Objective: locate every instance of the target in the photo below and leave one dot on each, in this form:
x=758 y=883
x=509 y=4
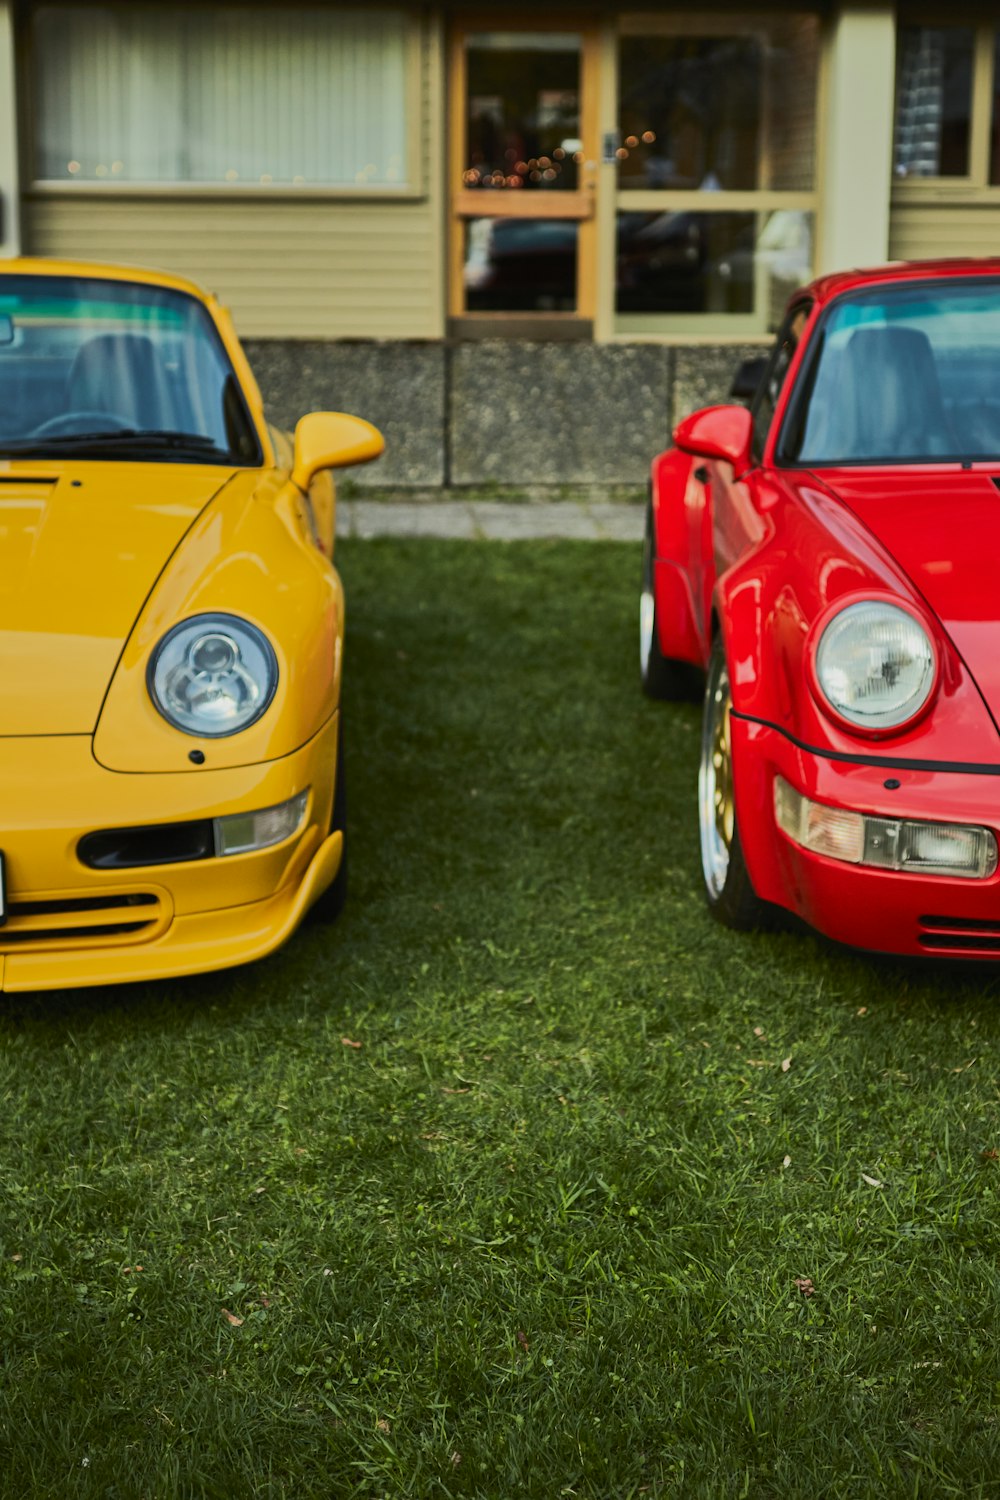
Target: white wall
x=856 y=161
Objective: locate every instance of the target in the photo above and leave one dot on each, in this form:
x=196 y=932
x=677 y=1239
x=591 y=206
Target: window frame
x=973 y=186
x=808 y=370
x=804 y=305
x=415 y=188
x=707 y=326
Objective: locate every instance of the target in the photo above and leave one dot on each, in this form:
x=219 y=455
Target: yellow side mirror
x=332 y=440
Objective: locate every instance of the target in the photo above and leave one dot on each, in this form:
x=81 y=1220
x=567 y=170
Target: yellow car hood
x=81 y=546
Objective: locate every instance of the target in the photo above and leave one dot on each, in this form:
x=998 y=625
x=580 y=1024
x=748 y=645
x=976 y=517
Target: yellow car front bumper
x=68 y=924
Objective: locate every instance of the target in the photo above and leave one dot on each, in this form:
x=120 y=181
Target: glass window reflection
x=712 y=262
x=995 y=121
x=523 y=111
x=933 y=101
x=520 y=265
x=690 y=112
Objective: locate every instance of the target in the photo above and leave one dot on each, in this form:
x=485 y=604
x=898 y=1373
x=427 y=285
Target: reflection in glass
x=520 y=265
x=905 y=373
x=690 y=112
x=715 y=112
x=86 y=356
x=523 y=111
x=712 y=262
x=933 y=101
x=995 y=122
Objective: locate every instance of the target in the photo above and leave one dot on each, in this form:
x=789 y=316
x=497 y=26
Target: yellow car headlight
x=213 y=675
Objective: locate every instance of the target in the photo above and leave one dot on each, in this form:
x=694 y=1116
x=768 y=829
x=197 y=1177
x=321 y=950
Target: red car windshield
x=904 y=374
x=116 y=369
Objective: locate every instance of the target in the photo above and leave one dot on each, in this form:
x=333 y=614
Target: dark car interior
x=886 y=394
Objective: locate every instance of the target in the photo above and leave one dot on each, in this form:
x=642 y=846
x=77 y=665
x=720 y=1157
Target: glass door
x=523 y=174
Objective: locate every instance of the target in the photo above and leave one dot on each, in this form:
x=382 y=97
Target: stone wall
x=503 y=413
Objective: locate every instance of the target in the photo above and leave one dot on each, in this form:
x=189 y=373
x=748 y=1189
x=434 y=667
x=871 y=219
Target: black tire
x=729 y=892
x=661 y=677
x=329 y=906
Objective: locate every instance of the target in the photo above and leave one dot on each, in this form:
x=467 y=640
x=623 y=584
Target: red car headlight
x=875 y=666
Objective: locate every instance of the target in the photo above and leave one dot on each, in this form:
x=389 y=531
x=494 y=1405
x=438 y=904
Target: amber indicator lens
x=900 y=844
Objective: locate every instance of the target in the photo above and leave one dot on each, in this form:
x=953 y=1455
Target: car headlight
x=213 y=675
x=875 y=665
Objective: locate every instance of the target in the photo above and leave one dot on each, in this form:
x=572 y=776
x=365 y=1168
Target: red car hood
x=943 y=529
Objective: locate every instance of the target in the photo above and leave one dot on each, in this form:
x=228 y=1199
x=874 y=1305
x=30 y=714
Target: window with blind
x=238 y=96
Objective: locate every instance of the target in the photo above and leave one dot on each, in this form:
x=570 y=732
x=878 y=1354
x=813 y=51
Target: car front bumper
x=884 y=911
x=68 y=924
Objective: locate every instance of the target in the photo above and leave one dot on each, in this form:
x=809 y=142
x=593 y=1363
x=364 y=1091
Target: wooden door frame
x=580 y=205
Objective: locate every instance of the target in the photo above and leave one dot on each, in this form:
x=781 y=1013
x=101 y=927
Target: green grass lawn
x=502 y=1186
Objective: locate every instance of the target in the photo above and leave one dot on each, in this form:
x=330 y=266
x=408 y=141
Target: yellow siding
x=288 y=268
x=922 y=232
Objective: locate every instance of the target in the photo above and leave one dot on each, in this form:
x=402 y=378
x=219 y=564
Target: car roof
x=826 y=287
x=36 y=266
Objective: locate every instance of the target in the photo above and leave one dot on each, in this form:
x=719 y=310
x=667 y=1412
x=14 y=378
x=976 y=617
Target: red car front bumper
x=882 y=910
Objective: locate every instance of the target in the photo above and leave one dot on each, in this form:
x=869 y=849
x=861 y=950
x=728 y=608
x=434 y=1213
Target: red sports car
x=830 y=557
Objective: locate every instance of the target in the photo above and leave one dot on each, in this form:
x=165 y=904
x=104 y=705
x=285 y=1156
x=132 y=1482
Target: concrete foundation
x=499 y=413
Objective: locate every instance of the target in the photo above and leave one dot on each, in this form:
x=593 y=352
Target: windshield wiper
x=126 y=440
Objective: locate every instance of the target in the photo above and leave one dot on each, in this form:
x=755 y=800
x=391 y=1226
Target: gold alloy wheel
x=716 y=807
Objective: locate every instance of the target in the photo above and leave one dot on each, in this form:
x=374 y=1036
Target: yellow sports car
x=171 y=637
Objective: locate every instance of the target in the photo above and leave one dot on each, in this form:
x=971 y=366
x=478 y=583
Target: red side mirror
x=718 y=432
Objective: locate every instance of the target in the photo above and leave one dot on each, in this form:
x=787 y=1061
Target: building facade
x=526 y=242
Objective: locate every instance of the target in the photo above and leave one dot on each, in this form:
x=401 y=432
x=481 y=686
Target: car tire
x=729 y=891
x=661 y=676
x=329 y=906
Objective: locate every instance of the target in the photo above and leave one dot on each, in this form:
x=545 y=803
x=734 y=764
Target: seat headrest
x=121 y=374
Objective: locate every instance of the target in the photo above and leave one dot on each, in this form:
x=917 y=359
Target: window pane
x=933 y=101
x=768 y=392
x=717 y=112
x=790 y=104
x=690 y=112
x=995 y=132
x=131 y=93
x=523 y=111
x=712 y=262
x=520 y=265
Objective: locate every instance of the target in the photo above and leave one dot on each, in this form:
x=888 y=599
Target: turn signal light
x=956 y=849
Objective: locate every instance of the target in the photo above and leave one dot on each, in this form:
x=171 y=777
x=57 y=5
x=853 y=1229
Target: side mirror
x=717 y=432
x=749 y=374
x=332 y=440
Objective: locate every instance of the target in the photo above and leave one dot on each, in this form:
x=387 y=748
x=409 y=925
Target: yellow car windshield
x=117 y=370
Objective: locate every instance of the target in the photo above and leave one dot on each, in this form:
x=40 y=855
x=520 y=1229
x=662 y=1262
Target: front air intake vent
x=83 y=921
x=971 y=936
x=159 y=844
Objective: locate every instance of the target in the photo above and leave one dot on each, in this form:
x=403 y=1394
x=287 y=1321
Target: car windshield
x=116 y=369
x=904 y=374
